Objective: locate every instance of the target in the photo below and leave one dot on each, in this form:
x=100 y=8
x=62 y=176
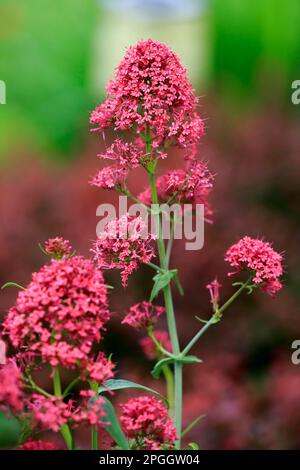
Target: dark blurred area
x=242 y=58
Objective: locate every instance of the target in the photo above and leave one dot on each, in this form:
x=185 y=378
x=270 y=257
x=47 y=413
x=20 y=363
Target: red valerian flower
x=125 y=154
x=151 y=93
x=261 y=259
x=145 y=420
x=190 y=186
x=149 y=347
x=143 y=315
x=11 y=393
x=214 y=288
x=110 y=177
x=58 y=247
x=37 y=445
x=49 y=413
x=101 y=369
x=61 y=314
x=91 y=411
x=124 y=244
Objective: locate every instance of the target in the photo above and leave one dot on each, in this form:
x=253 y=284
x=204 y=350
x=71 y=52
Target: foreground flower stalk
x=177 y=399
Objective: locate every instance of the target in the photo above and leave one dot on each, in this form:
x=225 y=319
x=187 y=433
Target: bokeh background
x=242 y=56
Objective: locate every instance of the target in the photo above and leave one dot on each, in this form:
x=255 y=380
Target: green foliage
x=10 y=430
x=255 y=43
x=121 y=384
x=114 y=428
x=45 y=62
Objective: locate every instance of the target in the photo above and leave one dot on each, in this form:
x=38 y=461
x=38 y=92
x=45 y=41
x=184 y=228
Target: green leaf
x=193 y=445
x=192 y=425
x=161 y=280
x=159 y=365
x=10 y=431
x=190 y=359
x=113 y=428
x=120 y=384
x=156 y=371
x=12 y=284
x=178 y=285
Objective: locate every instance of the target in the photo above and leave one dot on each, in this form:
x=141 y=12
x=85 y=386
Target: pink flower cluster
x=151 y=92
x=37 y=445
x=11 y=394
x=91 y=412
x=192 y=186
x=143 y=315
x=150 y=348
x=58 y=247
x=125 y=156
x=145 y=420
x=49 y=413
x=61 y=314
x=260 y=258
x=124 y=244
x=100 y=370
x=52 y=413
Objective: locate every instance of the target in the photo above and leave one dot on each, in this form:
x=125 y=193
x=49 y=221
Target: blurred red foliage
x=247 y=386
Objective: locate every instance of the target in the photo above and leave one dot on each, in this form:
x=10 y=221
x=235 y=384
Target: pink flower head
x=145 y=420
x=37 y=445
x=49 y=413
x=101 y=369
x=58 y=247
x=11 y=394
x=214 y=288
x=110 y=177
x=124 y=244
x=61 y=314
x=150 y=348
x=143 y=315
x=260 y=258
x=151 y=91
x=192 y=186
x=124 y=154
x=92 y=411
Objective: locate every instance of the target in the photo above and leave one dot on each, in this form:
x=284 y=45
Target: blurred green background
x=242 y=57
x=55 y=58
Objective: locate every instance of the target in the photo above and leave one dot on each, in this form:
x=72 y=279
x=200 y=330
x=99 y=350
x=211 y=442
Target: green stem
x=170 y=387
x=70 y=386
x=94 y=431
x=31 y=384
x=170 y=242
x=169 y=307
x=215 y=318
x=65 y=430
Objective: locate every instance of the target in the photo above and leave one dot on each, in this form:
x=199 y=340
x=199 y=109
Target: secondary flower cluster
x=58 y=247
x=37 y=445
x=192 y=186
x=11 y=395
x=143 y=315
x=53 y=412
x=146 y=422
x=125 y=156
x=61 y=314
x=124 y=244
x=261 y=259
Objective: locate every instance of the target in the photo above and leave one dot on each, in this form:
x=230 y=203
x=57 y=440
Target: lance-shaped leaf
x=119 y=384
x=161 y=280
x=156 y=371
x=112 y=425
